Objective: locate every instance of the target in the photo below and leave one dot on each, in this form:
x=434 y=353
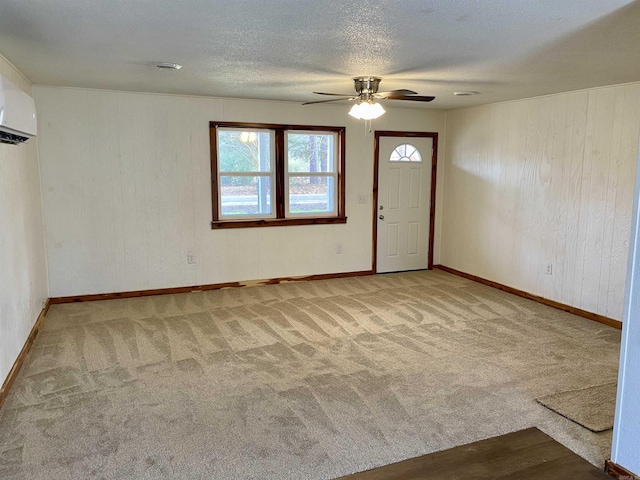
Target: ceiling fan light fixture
x=366 y=110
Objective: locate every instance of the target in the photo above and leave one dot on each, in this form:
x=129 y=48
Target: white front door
x=404 y=196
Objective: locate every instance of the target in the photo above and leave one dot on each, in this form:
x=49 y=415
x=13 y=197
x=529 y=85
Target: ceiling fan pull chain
x=367 y=126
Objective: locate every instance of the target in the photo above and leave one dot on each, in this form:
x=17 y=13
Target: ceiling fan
x=367 y=93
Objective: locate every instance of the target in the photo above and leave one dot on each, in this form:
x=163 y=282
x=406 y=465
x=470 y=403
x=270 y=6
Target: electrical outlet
x=191 y=258
x=362 y=199
x=339 y=249
x=548 y=269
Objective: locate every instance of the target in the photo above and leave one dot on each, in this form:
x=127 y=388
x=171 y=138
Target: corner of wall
x=626 y=429
x=440 y=186
x=23 y=257
x=16 y=76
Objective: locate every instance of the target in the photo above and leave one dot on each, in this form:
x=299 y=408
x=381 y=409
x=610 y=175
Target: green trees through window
x=311 y=172
x=245 y=173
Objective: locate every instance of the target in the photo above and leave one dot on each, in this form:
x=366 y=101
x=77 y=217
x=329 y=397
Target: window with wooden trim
x=269 y=175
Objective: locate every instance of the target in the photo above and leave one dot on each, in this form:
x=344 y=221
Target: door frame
x=432 y=205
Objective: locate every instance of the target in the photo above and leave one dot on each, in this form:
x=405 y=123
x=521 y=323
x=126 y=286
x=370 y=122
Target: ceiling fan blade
x=334 y=94
x=332 y=100
x=402 y=91
x=415 y=98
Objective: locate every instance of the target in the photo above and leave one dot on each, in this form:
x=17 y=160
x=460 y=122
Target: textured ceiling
x=286 y=49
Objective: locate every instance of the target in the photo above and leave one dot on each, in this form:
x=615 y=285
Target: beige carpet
x=309 y=380
x=592 y=407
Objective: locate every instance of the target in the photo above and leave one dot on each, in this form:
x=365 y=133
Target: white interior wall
x=626 y=430
x=545 y=180
x=126 y=186
x=23 y=274
x=127 y=193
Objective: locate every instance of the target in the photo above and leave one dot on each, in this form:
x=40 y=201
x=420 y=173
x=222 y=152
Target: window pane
x=311 y=195
x=244 y=151
x=405 y=153
x=245 y=195
x=311 y=152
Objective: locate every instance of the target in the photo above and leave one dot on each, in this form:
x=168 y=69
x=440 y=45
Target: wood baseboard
x=13 y=373
x=545 y=301
x=202 y=288
x=616 y=471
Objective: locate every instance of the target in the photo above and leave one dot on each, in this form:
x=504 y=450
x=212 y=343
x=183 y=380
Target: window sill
x=276 y=222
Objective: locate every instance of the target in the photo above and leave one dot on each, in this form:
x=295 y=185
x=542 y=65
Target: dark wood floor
x=525 y=455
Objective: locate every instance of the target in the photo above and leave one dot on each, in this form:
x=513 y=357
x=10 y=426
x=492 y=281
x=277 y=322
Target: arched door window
x=405 y=153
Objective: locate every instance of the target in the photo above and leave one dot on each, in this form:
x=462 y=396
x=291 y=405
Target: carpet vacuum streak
x=309 y=380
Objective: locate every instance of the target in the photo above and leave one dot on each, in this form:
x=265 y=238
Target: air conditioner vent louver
x=12 y=139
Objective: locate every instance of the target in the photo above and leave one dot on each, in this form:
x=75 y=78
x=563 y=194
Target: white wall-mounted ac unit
x=17 y=114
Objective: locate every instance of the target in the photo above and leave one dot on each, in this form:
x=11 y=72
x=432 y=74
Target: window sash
x=267 y=199
x=332 y=195
x=270 y=173
x=334 y=149
x=332 y=172
x=248 y=131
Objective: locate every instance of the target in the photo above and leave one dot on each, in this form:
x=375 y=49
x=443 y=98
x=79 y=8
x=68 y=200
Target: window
x=311 y=173
x=405 y=153
x=269 y=175
x=246 y=173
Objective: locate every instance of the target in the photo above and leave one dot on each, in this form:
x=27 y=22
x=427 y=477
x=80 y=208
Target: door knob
x=381 y=207
x=381 y=217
